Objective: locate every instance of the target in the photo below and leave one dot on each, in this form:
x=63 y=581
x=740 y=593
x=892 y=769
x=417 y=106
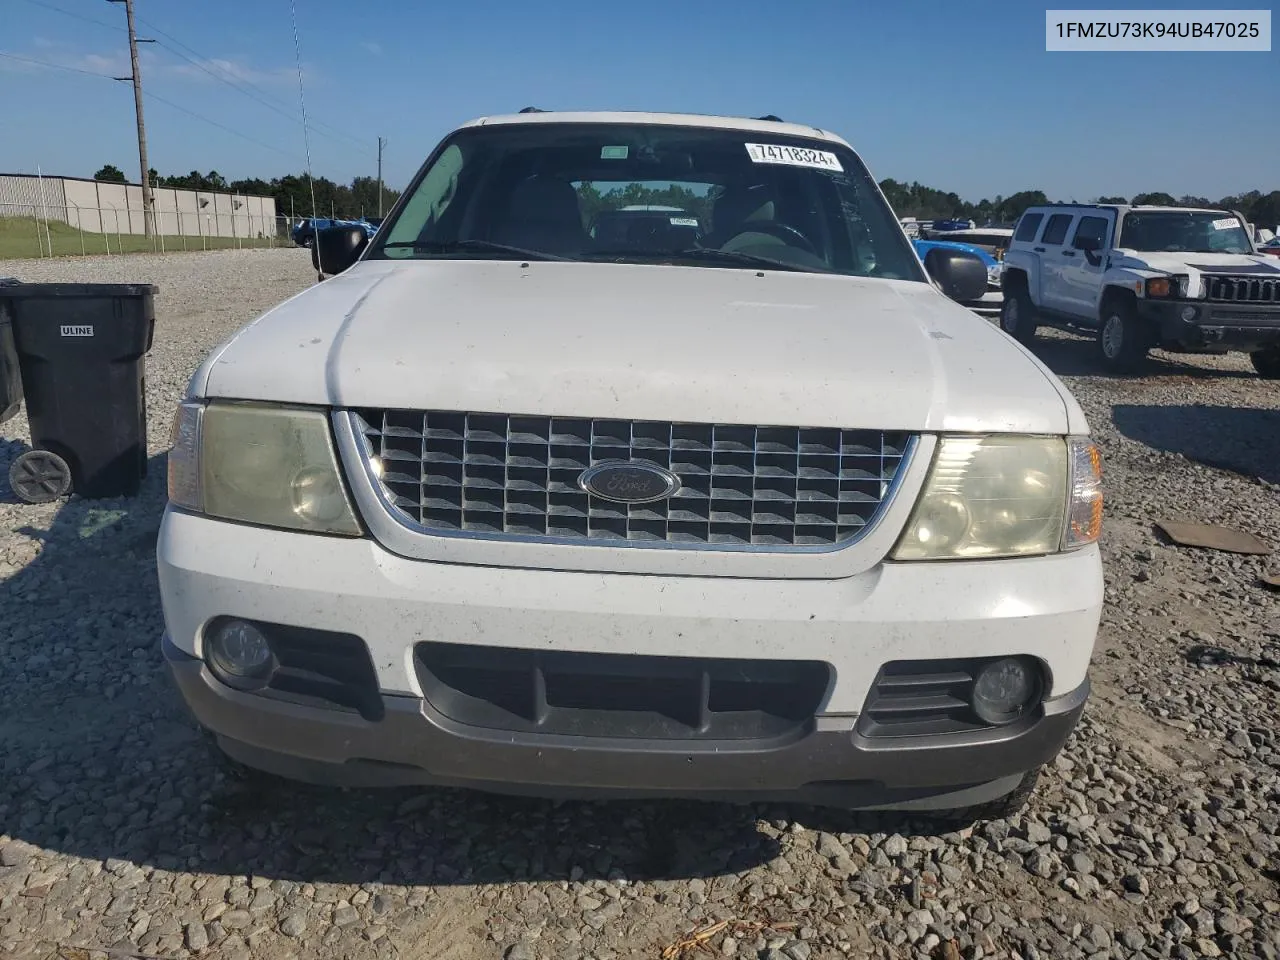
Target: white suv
x=1186 y=280
x=757 y=514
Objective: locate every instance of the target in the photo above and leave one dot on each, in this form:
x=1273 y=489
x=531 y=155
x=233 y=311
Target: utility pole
x=148 y=205
x=381 y=143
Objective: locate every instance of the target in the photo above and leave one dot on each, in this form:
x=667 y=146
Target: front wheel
x=1018 y=316
x=1123 y=339
x=1267 y=362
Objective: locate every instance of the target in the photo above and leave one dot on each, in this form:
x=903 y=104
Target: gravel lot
x=1155 y=834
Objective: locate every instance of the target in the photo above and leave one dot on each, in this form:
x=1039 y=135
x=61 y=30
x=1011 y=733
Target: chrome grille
x=516 y=477
x=1229 y=289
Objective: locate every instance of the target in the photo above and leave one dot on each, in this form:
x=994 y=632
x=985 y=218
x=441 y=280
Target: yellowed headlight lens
x=990 y=496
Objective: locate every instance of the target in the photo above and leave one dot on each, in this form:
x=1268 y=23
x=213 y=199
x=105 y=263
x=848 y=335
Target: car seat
x=542 y=214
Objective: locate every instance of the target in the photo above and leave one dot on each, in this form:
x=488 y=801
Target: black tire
x=1018 y=315
x=40 y=476
x=1267 y=363
x=1000 y=809
x=1124 y=339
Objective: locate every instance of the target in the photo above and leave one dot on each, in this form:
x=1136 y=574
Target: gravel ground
x=1154 y=834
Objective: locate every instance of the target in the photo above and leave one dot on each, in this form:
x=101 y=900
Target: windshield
x=649 y=193
x=1176 y=231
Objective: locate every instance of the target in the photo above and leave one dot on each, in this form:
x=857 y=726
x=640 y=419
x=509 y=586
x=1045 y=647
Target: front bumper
x=1231 y=326
x=413 y=744
x=1047 y=608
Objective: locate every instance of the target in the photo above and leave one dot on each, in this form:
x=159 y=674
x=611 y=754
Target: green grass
x=19 y=240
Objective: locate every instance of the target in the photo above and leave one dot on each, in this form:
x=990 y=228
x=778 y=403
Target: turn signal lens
x=1159 y=287
x=1084 y=509
x=184 y=456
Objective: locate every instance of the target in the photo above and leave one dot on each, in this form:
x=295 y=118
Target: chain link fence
x=29 y=230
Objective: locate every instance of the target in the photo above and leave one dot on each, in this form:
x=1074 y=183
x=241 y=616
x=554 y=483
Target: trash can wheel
x=40 y=476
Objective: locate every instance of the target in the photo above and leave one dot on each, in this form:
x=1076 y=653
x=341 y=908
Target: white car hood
x=1198 y=262
x=641 y=342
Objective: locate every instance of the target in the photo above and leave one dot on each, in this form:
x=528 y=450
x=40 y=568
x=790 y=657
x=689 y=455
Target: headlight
x=993 y=273
x=1162 y=288
x=1005 y=496
x=257 y=463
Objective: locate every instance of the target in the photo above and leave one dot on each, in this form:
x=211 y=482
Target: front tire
x=1267 y=362
x=1123 y=339
x=1018 y=316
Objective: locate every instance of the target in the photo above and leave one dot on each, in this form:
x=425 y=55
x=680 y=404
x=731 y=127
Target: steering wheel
x=783 y=231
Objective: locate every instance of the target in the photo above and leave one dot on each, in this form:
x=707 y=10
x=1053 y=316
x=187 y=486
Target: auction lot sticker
x=793 y=156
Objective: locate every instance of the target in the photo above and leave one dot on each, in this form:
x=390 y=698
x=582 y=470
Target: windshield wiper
x=693 y=253
x=479 y=246
x=745 y=259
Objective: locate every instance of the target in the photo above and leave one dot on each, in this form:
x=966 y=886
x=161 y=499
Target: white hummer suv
x=757 y=513
x=1185 y=280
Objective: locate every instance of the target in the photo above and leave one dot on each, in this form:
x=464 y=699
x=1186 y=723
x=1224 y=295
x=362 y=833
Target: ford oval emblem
x=627 y=481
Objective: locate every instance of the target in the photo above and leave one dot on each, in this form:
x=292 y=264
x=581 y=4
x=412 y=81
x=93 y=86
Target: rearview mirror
x=337 y=248
x=961 y=275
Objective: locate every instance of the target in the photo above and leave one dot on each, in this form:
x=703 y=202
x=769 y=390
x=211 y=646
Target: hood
x=1198 y=262
x=641 y=342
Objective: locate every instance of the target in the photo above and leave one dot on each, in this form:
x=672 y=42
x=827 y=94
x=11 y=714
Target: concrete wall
x=117 y=208
x=82 y=205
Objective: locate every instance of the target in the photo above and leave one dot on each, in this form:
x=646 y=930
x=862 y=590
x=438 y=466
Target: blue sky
x=961 y=97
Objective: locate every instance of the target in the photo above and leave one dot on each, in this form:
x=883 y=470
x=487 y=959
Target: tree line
x=292 y=193
x=926 y=203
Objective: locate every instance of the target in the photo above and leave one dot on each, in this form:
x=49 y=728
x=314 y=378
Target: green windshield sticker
x=614 y=153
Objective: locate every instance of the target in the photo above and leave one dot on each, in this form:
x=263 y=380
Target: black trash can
x=10 y=378
x=82 y=356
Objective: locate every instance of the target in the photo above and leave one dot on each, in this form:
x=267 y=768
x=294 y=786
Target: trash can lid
x=18 y=289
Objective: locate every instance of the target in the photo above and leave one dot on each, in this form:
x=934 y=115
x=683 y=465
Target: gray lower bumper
x=831 y=764
x=1238 y=326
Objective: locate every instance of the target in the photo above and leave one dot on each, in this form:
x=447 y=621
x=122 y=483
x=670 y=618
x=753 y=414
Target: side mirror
x=1090 y=247
x=337 y=248
x=962 y=275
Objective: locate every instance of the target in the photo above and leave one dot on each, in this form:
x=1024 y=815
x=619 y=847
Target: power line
x=54 y=66
x=202 y=62
x=150 y=96
x=69 y=13
x=235 y=85
x=239 y=83
x=191 y=113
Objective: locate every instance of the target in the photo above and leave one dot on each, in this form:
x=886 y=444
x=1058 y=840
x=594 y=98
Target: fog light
x=1005 y=690
x=1188 y=314
x=239 y=655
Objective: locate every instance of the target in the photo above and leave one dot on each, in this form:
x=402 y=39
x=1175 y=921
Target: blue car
x=990 y=303
x=304 y=232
